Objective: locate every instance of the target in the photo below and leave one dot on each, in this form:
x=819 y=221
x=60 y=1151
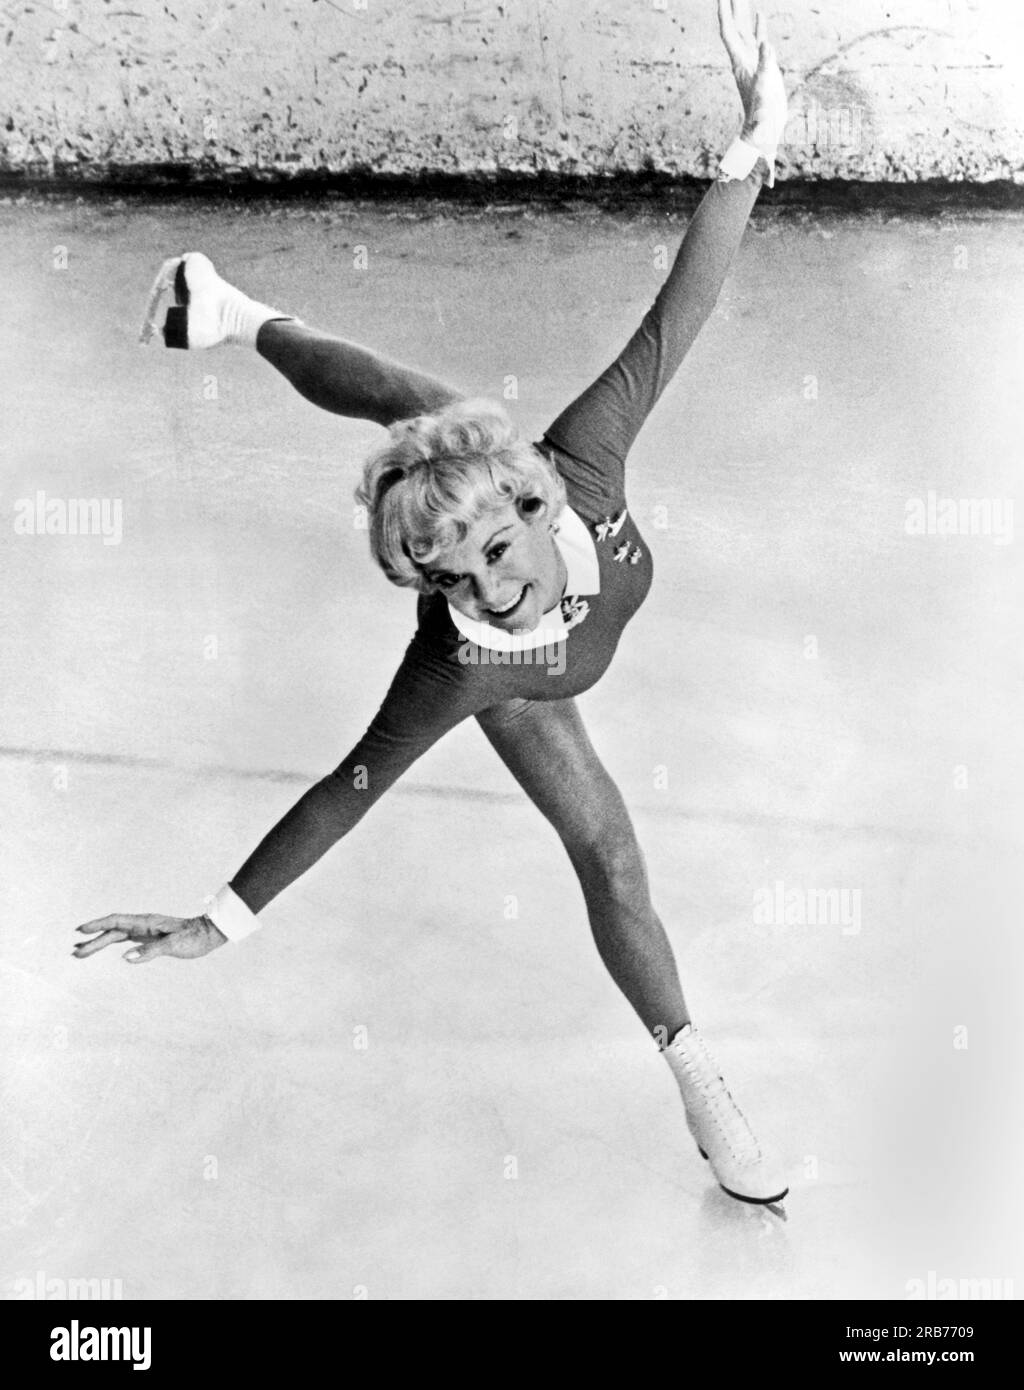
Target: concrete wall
x=880 y=91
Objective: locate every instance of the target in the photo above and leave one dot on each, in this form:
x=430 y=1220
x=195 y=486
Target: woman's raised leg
x=547 y=749
x=336 y=375
x=347 y=379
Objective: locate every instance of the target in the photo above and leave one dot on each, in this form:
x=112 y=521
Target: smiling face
x=507 y=571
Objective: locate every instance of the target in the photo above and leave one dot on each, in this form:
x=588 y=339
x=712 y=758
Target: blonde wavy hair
x=437 y=474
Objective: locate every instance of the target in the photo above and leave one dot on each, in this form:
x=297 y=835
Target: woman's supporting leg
x=547 y=749
x=346 y=379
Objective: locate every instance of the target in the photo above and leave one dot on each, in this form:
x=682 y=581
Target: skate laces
x=717 y=1103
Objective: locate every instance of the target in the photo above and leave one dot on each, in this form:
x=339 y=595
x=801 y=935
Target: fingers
x=751 y=26
x=137 y=954
x=149 y=951
x=743 y=31
x=155 y=934
x=743 y=20
x=100 y=923
x=151 y=928
x=140 y=926
x=105 y=938
x=729 y=29
x=724 y=21
x=765 y=48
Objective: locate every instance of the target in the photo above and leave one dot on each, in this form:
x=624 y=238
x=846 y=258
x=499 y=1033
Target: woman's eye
x=498 y=551
x=446 y=581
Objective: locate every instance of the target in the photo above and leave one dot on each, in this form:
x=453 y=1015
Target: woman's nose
x=487 y=588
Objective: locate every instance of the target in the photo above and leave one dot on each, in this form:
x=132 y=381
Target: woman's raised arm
x=599 y=427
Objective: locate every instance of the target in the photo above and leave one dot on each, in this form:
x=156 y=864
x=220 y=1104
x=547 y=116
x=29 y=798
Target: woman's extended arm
x=599 y=427
x=424 y=701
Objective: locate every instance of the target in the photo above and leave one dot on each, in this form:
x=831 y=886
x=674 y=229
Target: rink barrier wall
x=324 y=91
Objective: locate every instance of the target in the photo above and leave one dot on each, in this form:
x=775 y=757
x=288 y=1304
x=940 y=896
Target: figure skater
x=528 y=566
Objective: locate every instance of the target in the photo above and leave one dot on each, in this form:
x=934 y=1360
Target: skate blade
x=163 y=283
x=771 y=1203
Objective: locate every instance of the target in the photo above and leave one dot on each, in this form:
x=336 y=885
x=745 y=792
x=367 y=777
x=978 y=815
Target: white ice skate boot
x=740 y=1163
x=207 y=310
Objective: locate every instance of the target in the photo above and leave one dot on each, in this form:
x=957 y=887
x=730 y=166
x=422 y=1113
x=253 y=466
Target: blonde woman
x=528 y=565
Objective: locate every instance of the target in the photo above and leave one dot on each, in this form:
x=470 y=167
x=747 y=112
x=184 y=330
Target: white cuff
x=229 y=914
x=739 y=159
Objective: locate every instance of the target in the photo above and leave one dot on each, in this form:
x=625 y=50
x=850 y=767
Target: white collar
x=584 y=577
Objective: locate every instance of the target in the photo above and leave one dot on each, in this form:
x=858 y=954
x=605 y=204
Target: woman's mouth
x=510 y=608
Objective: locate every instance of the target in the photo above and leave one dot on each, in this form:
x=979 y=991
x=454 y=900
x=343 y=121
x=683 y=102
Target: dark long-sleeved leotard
x=446 y=676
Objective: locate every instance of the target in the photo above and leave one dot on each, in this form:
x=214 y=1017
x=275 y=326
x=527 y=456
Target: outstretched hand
x=185 y=937
x=756 y=70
